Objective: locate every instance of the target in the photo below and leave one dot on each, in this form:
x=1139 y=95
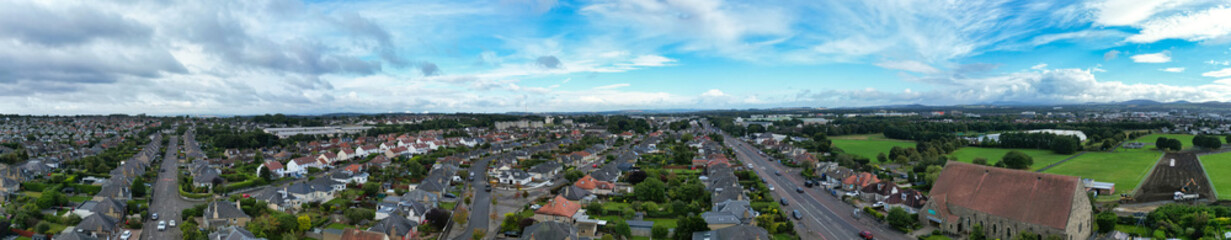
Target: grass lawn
x=785 y=236
x=1218 y=168
x=669 y=222
x=1130 y=229
x=33 y=194
x=937 y=237
x=870 y=148
x=1186 y=139
x=1042 y=158
x=338 y=226
x=874 y=136
x=448 y=205
x=1125 y=168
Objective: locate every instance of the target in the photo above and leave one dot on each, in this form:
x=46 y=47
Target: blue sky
x=264 y=56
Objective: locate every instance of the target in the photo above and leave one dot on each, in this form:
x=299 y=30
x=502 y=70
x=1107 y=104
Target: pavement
x=824 y=216
x=166 y=199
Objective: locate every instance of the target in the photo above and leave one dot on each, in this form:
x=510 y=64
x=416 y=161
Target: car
x=127 y=234
x=488 y=188
x=851 y=194
x=808 y=183
x=783 y=202
x=595 y=165
x=162 y=225
x=749 y=165
x=154 y=216
x=797 y=215
x=799 y=190
x=763 y=180
x=172 y=223
x=771 y=187
x=778 y=173
x=878 y=204
x=865 y=235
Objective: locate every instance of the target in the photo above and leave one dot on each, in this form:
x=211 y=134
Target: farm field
x=1218 y=167
x=1124 y=168
x=870 y=148
x=1042 y=158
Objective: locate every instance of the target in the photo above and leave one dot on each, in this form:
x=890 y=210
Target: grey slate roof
x=233 y=233
x=395 y=225
x=98 y=222
x=545 y=167
x=550 y=230
x=719 y=218
x=740 y=232
x=109 y=204
x=574 y=193
x=221 y=209
x=74 y=236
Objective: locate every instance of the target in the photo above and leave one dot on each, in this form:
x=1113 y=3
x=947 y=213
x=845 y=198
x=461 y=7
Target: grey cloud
x=429 y=69
x=548 y=62
x=31 y=23
x=1111 y=55
x=83 y=64
x=360 y=26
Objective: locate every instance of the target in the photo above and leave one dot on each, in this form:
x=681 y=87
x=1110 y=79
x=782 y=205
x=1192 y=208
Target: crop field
x=1125 y=168
x=1218 y=167
x=868 y=147
x=1042 y=158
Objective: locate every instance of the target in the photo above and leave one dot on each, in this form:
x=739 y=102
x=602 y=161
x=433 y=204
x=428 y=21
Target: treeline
x=1060 y=144
x=1171 y=144
x=290 y=121
x=619 y=124
x=456 y=122
x=222 y=136
x=1208 y=141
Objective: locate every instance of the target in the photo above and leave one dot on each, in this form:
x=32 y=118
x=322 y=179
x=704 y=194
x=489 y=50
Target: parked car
x=865 y=235
x=162 y=225
x=127 y=234
x=771 y=187
x=878 y=204
x=783 y=202
x=797 y=215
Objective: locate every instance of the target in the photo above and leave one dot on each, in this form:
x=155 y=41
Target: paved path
x=1061 y=161
x=824 y=216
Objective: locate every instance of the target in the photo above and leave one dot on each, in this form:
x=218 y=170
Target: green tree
x=688 y=225
x=371 y=188
x=1106 y=221
x=900 y=219
x=305 y=222
x=659 y=231
x=980 y=161
x=650 y=190
x=356 y=215
x=976 y=233
x=933 y=173
x=1026 y=235
x=1017 y=160
x=622 y=229
x=478 y=234
x=880 y=157
x=138 y=188
x=573 y=175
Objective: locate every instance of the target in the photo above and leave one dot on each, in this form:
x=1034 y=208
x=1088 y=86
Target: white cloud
x=612 y=86
x=1216 y=63
x=1173 y=69
x=1214 y=23
x=1111 y=55
x=1225 y=72
x=908 y=65
x=651 y=61
x=713 y=93
x=1161 y=57
x=1129 y=12
x=1040 y=66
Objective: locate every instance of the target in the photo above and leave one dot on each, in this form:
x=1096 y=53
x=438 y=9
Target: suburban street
x=165 y=199
x=481 y=203
x=824 y=216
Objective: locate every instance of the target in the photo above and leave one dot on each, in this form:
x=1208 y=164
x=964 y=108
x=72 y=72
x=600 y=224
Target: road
x=480 y=210
x=166 y=200
x=824 y=216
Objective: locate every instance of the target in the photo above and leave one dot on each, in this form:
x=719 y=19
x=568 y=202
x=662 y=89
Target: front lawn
x=339 y=226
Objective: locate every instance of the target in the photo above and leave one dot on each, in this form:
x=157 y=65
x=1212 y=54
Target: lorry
x=1181 y=196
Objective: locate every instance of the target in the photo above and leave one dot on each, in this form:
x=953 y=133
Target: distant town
x=906 y=172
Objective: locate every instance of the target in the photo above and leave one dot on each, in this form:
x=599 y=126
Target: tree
x=1065 y=145
x=659 y=231
x=286 y=223
x=594 y=209
x=371 y=188
x=1017 y=160
x=1207 y=141
x=1026 y=235
x=355 y=215
x=138 y=188
x=636 y=177
x=688 y=225
x=980 y=161
x=622 y=229
x=882 y=158
x=1106 y=221
x=461 y=216
x=1175 y=144
x=900 y=219
x=650 y=190
x=478 y=234
x=415 y=169
x=933 y=173
x=305 y=222
x=976 y=233
x=437 y=218
x=573 y=175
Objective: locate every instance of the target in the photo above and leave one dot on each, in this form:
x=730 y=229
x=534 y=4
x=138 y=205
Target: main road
x=165 y=200
x=824 y=216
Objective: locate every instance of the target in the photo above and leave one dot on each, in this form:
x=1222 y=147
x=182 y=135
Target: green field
x=1042 y=158
x=1186 y=139
x=1125 y=168
x=869 y=145
x=1218 y=168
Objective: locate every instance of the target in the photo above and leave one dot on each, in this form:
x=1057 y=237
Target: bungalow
x=558 y=209
x=545 y=170
x=741 y=232
x=877 y=192
x=595 y=186
x=221 y=214
x=858 y=181
x=550 y=231
x=418 y=196
x=274 y=167
x=233 y=233
x=99 y=225
x=379 y=161
x=907 y=199
x=111 y=207
x=515 y=177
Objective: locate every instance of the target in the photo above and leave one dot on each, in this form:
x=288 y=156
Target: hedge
x=194 y=195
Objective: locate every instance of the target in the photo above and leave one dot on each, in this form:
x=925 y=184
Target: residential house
x=99 y=225
x=858 y=181
x=558 y=209
x=233 y=233
x=347 y=154
x=110 y=207
x=396 y=227
x=907 y=199
x=397 y=151
x=741 y=232
x=274 y=167
x=550 y=230
x=545 y=170
x=356 y=234
x=595 y=186
x=514 y=177
x=221 y=213
x=327 y=158
x=299 y=166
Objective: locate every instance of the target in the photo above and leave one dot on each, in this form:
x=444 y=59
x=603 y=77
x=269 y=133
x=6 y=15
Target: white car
x=771 y=187
x=162 y=225
x=852 y=194
x=127 y=234
x=172 y=223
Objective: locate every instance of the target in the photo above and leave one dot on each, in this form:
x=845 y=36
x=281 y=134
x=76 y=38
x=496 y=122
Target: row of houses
x=103 y=214
x=731 y=216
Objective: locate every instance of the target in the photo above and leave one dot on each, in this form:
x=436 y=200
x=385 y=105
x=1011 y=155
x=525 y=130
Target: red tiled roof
x=1038 y=198
x=356 y=234
x=559 y=206
x=589 y=183
x=273 y=165
x=304 y=160
x=861 y=179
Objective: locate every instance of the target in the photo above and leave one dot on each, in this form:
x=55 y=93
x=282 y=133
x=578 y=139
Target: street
x=824 y=216
x=480 y=210
x=165 y=198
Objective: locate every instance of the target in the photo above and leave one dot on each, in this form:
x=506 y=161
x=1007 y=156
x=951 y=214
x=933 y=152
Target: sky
x=243 y=57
